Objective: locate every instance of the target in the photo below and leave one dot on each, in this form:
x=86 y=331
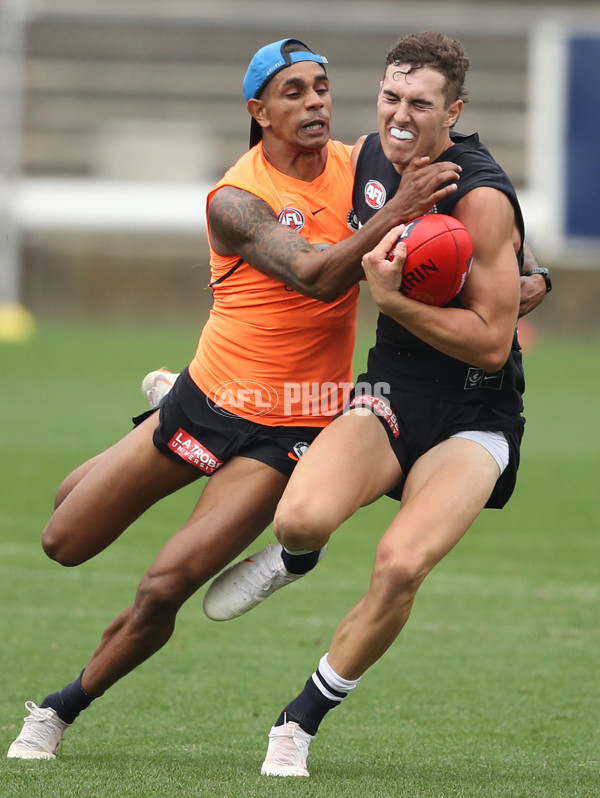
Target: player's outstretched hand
x=422 y=185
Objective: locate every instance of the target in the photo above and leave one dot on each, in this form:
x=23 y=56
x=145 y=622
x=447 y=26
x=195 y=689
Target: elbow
x=322 y=281
x=319 y=289
x=493 y=360
x=328 y=295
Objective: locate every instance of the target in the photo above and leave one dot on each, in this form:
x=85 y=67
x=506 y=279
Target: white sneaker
x=247 y=583
x=157 y=384
x=40 y=735
x=287 y=752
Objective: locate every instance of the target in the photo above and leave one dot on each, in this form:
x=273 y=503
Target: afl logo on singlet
x=375 y=194
x=291 y=217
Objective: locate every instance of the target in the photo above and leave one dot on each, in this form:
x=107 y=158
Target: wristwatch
x=545 y=274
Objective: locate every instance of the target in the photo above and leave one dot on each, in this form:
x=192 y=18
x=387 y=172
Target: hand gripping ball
x=438 y=260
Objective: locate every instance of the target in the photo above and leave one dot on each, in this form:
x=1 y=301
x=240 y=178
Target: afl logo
x=291 y=217
x=375 y=194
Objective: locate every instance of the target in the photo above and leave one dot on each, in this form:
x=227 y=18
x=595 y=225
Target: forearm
x=479 y=332
x=339 y=267
x=242 y=224
x=457 y=332
x=535 y=282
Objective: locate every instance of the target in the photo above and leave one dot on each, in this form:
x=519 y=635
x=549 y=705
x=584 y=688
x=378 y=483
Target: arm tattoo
x=248 y=226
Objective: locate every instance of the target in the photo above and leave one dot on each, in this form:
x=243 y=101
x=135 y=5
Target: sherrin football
x=439 y=256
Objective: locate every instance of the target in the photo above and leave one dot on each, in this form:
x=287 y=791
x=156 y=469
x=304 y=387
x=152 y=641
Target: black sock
x=69 y=701
x=300 y=563
x=308 y=709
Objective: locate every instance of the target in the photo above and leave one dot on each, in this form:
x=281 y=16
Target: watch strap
x=545 y=274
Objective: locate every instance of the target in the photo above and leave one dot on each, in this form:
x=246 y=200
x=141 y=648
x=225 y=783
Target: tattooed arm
x=242 y=224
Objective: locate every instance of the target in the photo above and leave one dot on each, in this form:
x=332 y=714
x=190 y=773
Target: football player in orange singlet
x=271 y=370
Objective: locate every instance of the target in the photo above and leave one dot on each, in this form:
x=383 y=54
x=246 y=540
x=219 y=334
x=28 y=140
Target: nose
x=314 y=99
x=401 y=113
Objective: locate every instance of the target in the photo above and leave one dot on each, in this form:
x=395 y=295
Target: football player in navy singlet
x=399 y=356
x=436 y=420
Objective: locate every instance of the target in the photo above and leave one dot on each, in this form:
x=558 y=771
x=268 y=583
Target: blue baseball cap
x=265 y=64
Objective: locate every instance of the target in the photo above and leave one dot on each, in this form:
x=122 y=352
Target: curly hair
x=436 y=51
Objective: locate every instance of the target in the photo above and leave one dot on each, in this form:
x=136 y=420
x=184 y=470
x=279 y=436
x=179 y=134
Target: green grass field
x=492 y=689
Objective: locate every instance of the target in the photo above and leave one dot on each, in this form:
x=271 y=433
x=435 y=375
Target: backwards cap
x=265 y=64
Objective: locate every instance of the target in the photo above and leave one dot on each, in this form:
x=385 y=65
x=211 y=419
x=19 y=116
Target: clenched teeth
x=401 y=135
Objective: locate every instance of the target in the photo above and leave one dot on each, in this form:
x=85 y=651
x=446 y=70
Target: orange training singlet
x=267 y=352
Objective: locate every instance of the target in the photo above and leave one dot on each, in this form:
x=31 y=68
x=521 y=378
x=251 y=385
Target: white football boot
x=40 y=735
x=249 y=582
x=287 y=752
x=157 y=384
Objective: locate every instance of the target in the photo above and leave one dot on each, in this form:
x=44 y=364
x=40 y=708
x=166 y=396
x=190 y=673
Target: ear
x=257 y=110
x=453 y=113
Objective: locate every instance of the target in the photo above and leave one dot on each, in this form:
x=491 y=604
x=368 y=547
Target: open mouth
x=314 y=127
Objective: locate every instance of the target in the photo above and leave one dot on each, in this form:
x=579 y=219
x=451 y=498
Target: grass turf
x=492 y=689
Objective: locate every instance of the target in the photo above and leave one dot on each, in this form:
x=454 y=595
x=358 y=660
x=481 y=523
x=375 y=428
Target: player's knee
x=300 y=526
x=397 y=575
x=158 y=598
x=57 y=546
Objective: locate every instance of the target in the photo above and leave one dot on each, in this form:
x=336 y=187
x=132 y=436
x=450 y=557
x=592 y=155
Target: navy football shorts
x=194 y=430
x=415 y=423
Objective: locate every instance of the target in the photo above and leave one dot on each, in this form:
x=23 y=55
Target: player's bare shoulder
x=236 y=215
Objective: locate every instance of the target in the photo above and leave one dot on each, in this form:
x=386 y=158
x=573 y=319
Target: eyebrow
x=419 y=100
x=318 y=78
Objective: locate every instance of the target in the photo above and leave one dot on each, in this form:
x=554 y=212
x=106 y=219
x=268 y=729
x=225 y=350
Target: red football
x=438 y=260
